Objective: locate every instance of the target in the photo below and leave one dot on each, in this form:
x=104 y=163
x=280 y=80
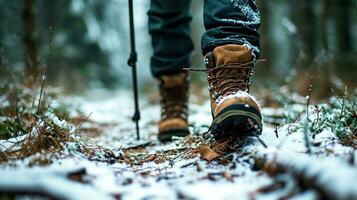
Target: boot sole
x=166 y=136
x=237 y=121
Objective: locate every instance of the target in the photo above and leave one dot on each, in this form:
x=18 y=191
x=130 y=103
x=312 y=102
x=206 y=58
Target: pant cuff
x=210 y=46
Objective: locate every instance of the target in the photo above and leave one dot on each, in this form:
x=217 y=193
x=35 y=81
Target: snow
x=222 y=189
x=253 y=16
x=308 y=195
x=176 y=176
x=11 y=144
x=60 y=123
x=238 y=94
x=48 y=179
x=326 y=170
x=3 y=102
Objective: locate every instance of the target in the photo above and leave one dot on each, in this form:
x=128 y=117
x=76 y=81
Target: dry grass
x=28 y=125
x=46 y=138
x=37 y=132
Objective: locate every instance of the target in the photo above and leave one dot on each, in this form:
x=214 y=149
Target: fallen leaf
x=149 y=158
x=207 y=153
x=228 y=176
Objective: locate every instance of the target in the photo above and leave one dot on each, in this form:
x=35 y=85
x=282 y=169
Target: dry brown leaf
x=207 y=153
x=228 y=176
x=149 y=158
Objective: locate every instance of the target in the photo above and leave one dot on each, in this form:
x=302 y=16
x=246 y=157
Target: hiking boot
x=174 y=109
x=235 y=112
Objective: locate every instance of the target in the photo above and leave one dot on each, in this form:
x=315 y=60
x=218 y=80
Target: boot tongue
x=170 y=81
x=232 y=53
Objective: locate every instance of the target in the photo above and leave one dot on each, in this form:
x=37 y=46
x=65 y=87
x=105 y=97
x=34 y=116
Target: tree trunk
x=267 y=50
x=305 y=19
x=31 y=60
x=343 y=26
x=322 y=69
x=308 y=31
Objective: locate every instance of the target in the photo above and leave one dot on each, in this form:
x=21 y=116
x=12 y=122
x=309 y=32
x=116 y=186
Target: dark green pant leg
x=169 y=27
x=230 y=22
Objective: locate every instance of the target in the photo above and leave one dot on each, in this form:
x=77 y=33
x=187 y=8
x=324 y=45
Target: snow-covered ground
x=148 y=169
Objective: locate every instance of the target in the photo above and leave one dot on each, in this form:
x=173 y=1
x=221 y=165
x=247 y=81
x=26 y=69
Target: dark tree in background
x=323 y=46
x=75 y=61
x=265 y=31
x=28 y=26
x=29 y=38
x=299 y=39
x=343 y=24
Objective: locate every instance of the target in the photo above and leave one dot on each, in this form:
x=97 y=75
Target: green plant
x=338 y=116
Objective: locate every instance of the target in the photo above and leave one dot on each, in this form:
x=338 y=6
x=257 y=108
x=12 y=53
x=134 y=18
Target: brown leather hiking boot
x=235 y=112
x=174 y=109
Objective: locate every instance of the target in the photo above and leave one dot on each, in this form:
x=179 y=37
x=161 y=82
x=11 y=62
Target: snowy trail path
x=148 y=169
x=175 y=177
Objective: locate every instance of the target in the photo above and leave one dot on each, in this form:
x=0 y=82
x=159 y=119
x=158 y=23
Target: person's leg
x=230 y=45
x=170 y=32
x=231 y=22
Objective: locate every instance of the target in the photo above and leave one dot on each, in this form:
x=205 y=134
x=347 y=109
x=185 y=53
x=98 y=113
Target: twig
x=343 y=103
x=85 y=120
x=172 y=161
x=335 y=95
x=309 y=97
x=306 y=124
x=33 y=103
x=276 y=131
x=141 y=145
x=44 y=77
x=18 y=121
x=262 y=142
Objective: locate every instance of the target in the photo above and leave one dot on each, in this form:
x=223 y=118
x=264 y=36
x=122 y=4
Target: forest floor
x=91 y=152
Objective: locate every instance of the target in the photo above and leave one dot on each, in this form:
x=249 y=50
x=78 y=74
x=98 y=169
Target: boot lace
x=228 y=78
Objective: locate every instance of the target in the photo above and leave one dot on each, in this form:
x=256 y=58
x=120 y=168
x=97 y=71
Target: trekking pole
x=132 y=63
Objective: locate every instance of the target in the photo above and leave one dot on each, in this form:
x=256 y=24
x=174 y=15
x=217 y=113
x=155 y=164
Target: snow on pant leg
x=169 y=27
x=230 y=22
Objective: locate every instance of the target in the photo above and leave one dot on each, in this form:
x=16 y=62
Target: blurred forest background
x=85 y=43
